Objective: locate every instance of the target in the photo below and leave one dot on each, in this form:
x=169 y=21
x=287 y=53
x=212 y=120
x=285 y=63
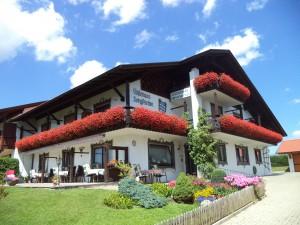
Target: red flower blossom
x=89 y=125
x=113 y=118
x=157 y=121
x=224 y=82
x=231 y=124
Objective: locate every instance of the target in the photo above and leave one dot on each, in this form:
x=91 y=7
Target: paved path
x=280 y=207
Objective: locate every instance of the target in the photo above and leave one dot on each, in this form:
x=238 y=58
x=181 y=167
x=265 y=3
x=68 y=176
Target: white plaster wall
x=291 y=163
x=137 y=154
x=233 y=167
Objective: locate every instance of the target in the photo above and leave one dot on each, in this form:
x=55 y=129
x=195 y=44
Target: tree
x=202 y=145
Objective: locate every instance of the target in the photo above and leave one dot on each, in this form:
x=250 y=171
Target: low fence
x=209 y=214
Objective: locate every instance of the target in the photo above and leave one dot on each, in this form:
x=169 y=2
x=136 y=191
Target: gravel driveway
x=280 y=207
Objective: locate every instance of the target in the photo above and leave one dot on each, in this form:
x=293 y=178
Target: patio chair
x=92 y=173
x=33 y=176
x=80 y=174
x=139 y=175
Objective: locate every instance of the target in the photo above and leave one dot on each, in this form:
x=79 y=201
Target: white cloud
x=175 y=3
x=287 y=89
x=202 y=37
x=256 y=5
x=118 y=63
x=142 y=38
x=296 y=133
x=296 y=101
x=76 y=2
x=128 y=11
x=87 y=71
x=42 y=30
x=245 y=46
x=172 y=38
x=208 y=7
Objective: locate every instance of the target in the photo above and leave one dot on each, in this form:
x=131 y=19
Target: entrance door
x=189 y=163
x=68 y=162
x=296 y=159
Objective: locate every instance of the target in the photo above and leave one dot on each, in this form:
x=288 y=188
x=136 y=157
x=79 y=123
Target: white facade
x=137 y=140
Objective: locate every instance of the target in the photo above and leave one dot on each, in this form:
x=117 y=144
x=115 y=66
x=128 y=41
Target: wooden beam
x=55 y=118
x=31 y=125
x=119 y=93
x=127 y=103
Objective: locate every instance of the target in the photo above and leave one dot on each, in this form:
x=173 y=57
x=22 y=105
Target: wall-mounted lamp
x=133 y=143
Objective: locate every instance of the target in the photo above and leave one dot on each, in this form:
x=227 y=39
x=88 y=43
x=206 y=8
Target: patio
x=102 y=185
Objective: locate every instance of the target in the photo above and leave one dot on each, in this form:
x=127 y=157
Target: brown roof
x=289 y=146
x=10 y=112
x=218 y=60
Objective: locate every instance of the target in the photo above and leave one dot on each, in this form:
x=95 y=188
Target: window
x=45 y=160
x=86 y=113
x=97 y=156
x=118 y=153
x=221 y=153
x=69 y=118
x=161 y=154
x=258 y=156
x=213 y=113
x=102 y=106
x=67 y=159
x=242 y=155
x=45 y=126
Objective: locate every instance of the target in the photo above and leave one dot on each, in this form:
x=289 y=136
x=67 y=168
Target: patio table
x=153 y=173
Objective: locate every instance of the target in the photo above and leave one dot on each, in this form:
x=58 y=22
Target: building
x=141 y=120
x=8 y=129
x=292 y=149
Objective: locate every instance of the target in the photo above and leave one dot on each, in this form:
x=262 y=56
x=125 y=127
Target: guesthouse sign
x=180 y=94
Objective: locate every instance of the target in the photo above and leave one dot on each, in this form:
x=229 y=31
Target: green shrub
x=183 y=191
x=3 y=193
x=7 y=163
x=161 y=189
x=223 y=191
x=279 y=160
x=140 y=193
x=217 y=176
x=118 y=201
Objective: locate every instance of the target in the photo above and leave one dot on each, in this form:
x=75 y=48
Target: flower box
x=222 y=82
x=233 y=125
x=111 y=119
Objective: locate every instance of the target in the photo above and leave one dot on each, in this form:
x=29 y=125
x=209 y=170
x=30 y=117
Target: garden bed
x=209 y=214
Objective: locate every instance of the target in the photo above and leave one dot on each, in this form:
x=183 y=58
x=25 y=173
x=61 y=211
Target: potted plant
x=55 y=180
x=113 y=170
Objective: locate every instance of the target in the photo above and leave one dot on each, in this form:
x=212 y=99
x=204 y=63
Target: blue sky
x=47 y=47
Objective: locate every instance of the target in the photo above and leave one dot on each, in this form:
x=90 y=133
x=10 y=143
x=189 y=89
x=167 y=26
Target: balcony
x=233 y=125
x=112 y=119
x=221 y=88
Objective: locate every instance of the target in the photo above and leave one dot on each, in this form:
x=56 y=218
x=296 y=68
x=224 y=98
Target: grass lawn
x=24 y=206
x=279 y=168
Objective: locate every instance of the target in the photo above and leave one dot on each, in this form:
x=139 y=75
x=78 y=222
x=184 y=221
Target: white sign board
x=183 y=93
x=146 y=99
